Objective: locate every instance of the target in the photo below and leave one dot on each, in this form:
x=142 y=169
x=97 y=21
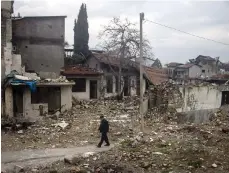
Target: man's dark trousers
x=104 y=138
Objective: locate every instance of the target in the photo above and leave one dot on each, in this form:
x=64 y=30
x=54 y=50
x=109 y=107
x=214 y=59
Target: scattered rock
x=77 y=106
x=225 y=129
x=20 y=132
x=63 y=125
x=118 y=134
x=214 y=165
x=157 y=153
x=18 y=169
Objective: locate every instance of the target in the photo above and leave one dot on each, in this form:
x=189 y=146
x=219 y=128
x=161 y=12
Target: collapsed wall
x=193 y=103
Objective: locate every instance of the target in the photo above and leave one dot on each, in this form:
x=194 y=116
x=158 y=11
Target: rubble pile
x=76 y=127
x=164 y=147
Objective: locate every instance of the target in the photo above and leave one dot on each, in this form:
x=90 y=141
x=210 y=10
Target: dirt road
x=45 y=156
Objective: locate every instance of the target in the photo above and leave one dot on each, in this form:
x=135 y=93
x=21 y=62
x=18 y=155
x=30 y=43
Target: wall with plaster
x=66 y=98
x=200 y=97
x=83 y=95
x=40 y=41
x=194 y=71
x=9 y=102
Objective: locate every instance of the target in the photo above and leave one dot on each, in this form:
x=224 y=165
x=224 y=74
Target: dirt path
x=42 y=157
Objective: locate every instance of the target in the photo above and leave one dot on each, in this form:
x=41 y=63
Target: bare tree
x=122 y=40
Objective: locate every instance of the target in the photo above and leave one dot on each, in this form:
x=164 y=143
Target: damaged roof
x=79 y=70
x=156 y=76
x=174 y=64
x=113 y=60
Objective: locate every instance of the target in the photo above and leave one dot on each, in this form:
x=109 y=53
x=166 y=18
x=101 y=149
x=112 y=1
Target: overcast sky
x=206 y=19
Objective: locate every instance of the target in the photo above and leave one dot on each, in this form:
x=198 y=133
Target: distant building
x=187 y=72
x=171 y=67
x=209 y=65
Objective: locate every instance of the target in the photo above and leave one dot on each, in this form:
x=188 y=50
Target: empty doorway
x=93 y=89
x=225 y=98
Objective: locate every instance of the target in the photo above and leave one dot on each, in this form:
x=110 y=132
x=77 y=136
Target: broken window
x=109 y=84
x=80 y=85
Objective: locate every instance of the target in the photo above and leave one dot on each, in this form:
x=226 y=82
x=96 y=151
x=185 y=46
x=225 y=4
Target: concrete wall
x=66 y=98
x=6 y=37
x=83 y=95
x=42 y=58
x=16 y=63
x=40 y=27
x=194 y=71
x=86 y=95
x=9 y=102
x=31 y=112
x=40 y=41
x=200 y=97
x=6 y=5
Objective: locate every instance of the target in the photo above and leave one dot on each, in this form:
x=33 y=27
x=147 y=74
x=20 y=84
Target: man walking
x=103 y=128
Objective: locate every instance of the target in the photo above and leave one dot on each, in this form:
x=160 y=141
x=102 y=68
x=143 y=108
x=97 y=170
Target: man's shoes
x=107 y=145
x=98 y=146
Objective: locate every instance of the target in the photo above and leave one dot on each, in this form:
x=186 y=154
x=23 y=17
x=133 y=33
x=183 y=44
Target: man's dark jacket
x=104 y=126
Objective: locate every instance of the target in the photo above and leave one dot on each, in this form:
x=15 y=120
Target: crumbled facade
x=27 y=96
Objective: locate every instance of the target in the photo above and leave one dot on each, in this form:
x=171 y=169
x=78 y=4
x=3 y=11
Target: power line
x=187 y=33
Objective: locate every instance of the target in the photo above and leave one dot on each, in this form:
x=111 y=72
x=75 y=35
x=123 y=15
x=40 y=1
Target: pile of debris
x=76 y=127
x=167 y=148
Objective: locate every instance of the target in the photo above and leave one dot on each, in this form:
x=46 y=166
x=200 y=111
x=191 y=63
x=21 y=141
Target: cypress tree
x=81 y=35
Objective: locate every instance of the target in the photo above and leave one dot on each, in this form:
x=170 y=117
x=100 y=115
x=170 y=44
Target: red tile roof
x=155 y=75
x=79 y=70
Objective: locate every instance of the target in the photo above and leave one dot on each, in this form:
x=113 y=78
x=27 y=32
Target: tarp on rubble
x=15 y=79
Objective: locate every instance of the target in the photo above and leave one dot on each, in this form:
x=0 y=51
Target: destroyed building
x=106 y=68
x=33 y=86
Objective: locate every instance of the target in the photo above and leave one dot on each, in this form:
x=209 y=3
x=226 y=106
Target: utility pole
x=141 y=74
